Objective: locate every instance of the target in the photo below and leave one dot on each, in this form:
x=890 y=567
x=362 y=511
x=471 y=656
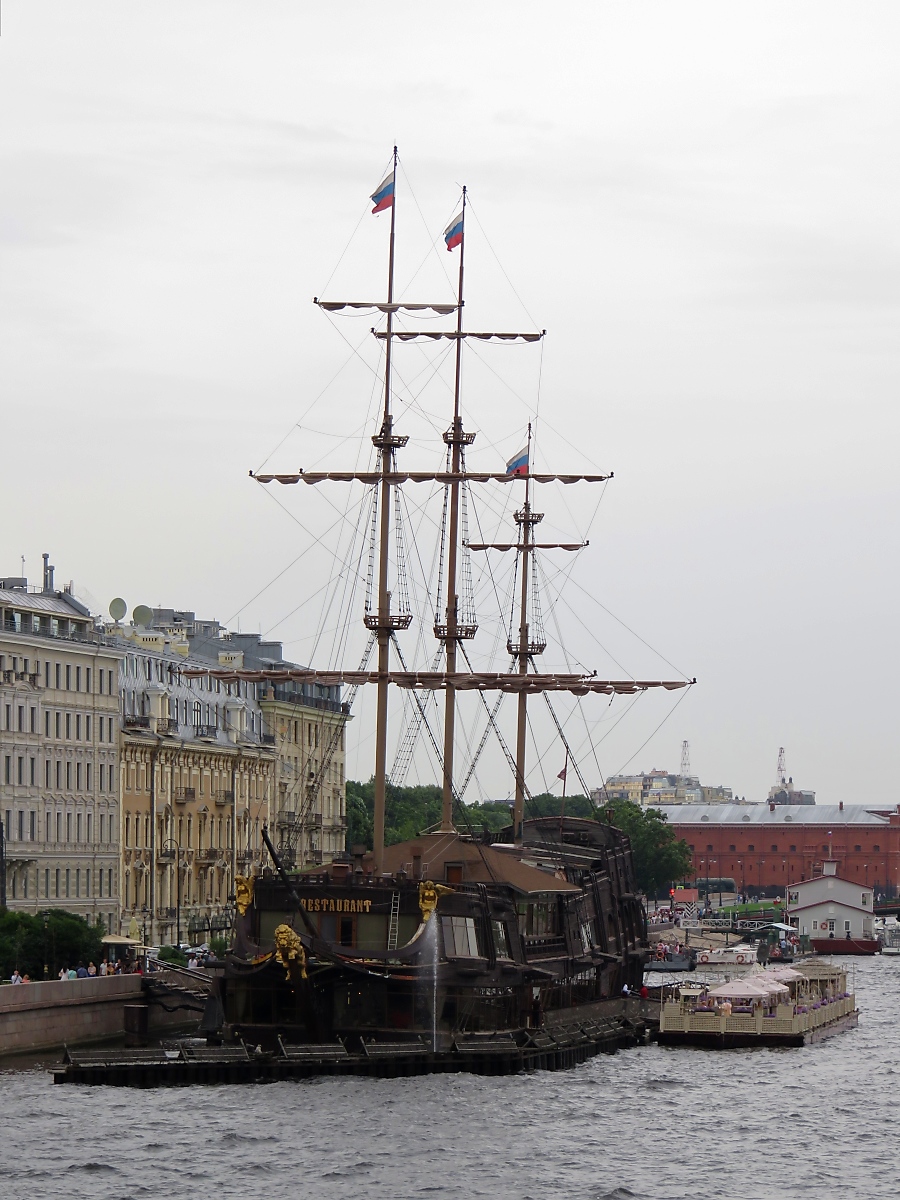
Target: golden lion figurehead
x=289 y=951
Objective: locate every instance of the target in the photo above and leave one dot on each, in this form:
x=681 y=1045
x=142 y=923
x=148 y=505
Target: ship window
x=459 y=937
x=501 y=941
x=587 y=938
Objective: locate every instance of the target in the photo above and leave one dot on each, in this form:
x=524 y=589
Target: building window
x=21 y=715
x=34 y=720
x=46 y=724
x=78 y=777
x=793 y=849
x=110 y=730
x=877 y=849
x=68 y=727
x=732 y=849
x=110 y=688
x=102 y=777
x=68 y=876
x=87 y=686
x=78 y=679
x=774 y=849
x=57 y=869
x=47 y=830
x=857 y=849
x=57 y=688
x=89 y=770
x=58 y=774
x=77 y=883
x=32 y=770
x=9 y=716
x=102 y=828
x=46 y=674
x=20 y=769
x=59 y=826
x=68 y=827
x=825 y=849
x=750 y=849
x=87 y=882
x=68 y=689
x=47 y=869
x=78 y=727
x=87 y=728
x=78 y=827
x=58 y=720
x=21 y=822
x=32 y=826
x=47 y=773
x=7 y=769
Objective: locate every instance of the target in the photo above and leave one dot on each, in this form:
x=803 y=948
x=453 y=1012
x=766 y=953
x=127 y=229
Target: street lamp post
x=46 y=923
x=743 y=883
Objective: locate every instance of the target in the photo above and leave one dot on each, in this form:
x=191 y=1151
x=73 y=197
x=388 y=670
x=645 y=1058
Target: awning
x=114 y=939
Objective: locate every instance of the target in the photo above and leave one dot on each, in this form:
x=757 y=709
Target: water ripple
x=648 y=1124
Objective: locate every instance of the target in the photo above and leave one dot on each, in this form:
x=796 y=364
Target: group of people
x=91 y=971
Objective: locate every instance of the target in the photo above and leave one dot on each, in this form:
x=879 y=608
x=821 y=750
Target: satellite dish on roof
x=117 y=608
x=142 y=615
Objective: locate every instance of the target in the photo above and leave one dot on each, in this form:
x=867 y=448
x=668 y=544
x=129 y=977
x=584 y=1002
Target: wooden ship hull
x=518 y=957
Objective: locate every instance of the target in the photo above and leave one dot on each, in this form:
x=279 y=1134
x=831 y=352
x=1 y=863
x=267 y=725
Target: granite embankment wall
x=44 y=1016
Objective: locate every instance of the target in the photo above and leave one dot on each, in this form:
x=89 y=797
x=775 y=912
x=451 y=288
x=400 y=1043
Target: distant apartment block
x=658 y=787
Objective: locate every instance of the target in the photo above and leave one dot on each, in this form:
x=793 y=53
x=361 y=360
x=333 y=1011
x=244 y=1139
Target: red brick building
x=765 y=847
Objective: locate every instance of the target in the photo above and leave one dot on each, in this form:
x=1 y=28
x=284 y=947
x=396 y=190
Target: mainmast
x=383 y=623
x=452 y=632
x=526 y=520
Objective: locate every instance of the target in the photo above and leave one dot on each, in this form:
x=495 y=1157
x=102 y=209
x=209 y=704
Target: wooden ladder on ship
x=394 y=922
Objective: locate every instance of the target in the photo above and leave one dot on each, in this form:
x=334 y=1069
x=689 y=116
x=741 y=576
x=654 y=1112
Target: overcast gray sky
x=698 y=201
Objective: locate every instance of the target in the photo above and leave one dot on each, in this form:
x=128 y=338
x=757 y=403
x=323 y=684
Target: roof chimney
x=841 y=806
x=48 y=574
x=772 y=807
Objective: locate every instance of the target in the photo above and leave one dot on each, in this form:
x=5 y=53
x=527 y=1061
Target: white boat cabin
x=829 y=906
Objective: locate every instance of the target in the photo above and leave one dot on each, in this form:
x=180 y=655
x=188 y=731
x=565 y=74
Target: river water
x=651 y=1123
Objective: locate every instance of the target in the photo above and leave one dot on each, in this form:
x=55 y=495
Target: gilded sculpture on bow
x=429 y=894
x=289 y=952
x=243 y=892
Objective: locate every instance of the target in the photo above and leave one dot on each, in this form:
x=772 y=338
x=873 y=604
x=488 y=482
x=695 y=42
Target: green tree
x=659 y=857
x=64 y=940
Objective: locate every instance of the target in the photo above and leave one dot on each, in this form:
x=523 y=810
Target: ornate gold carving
x=243 y=892
x=429 y=894
x=289 y=951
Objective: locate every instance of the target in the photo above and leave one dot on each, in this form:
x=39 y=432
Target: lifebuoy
x=704 y=958
x=740 y=958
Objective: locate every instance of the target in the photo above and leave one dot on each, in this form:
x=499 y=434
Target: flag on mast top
x=383 y=196
x=518 y=464
x=453 y=234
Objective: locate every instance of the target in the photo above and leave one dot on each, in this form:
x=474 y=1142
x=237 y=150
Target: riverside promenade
x=53 y=1013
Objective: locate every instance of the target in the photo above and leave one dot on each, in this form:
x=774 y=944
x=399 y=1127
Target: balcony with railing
x=208 y=854
x=136 y=721
x=182 y=795
x=206 y=731
x=166 y=855
x=166 y=725
x=166 y=914
x=224 y=796
x=286 y=817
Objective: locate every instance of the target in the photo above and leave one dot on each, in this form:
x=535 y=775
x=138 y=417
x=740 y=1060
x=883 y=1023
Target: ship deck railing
x=785 y=1019
x=376 y=1049
x=485 y=1043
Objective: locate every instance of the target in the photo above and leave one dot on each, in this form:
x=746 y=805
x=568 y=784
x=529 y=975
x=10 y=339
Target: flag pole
x=562 y=810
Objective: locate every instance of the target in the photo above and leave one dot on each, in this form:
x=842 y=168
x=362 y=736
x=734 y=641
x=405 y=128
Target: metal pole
x=451 y=643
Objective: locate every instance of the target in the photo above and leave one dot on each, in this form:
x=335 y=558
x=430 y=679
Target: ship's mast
x=387 y=444
x=526 y=519
x=456 y=439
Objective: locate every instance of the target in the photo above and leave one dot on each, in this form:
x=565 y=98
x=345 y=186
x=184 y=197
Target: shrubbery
x=65 y=940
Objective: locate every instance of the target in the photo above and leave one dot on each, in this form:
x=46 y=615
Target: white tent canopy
x=748 y=989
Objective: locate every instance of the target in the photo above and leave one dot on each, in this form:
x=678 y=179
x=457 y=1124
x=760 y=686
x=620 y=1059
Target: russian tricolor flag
x=453 y=234
x=518 y=464
x=383 y=196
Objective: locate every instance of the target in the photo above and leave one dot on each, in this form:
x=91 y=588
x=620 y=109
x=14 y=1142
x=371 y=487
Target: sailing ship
x=453 y=950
